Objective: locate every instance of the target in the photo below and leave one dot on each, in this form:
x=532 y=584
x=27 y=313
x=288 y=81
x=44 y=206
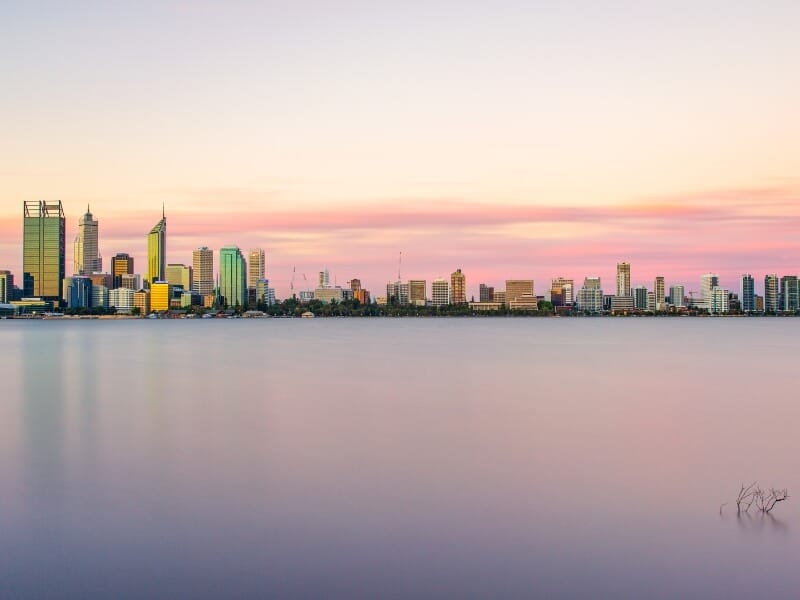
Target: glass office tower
x=43 y=242
x=157 y=252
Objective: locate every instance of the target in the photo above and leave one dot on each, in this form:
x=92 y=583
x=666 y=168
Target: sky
x=509 y=139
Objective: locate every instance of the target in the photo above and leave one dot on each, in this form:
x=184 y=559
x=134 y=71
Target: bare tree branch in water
x=766 y=500
x=746 y=496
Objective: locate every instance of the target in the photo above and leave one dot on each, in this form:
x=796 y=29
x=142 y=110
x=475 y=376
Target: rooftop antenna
x=399 y=265
x=163 y=211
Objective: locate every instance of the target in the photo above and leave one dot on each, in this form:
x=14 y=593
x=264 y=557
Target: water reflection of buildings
x=41 y=408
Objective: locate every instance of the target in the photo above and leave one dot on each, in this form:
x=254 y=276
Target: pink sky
x=510 y=139
x=728 y=232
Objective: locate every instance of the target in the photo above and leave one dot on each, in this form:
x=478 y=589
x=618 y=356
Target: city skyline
x=562 y=140
x=156 y=242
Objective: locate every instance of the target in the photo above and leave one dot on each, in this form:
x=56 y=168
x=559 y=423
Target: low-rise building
x=121 y=299
x=141 y=300
x=160 y=296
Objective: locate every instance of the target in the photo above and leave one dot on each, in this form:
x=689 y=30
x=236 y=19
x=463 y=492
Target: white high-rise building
x=121 y=299
x=719 y=300
x=440 y=292
x=324 y=279
x=708 y=282
x=590 y=296
x=86 y=258
x=398 y=292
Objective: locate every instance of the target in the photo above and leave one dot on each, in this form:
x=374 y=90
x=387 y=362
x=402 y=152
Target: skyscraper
x=417 y=292
x=440 y=292
x=658 y=291
x=256 y=267
x=86 y=259
x=121 y=264
x=708 y=282
x=790 y=293
x=6 y=285
x=77 y=291
x=232 y=276
x=623 y=279
x=43 y=241
x=157 y=252
x=747 y=293
x=485 y=293
x=676 y=295
x=397 y=292
x=590 y=296
x=561 y=291
x=640 y=297
x=458 y=287
x=203 y=271
x=771 y=293
x=324 y=279
x=719 y=301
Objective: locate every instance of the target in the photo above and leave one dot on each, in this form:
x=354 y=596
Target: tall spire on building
x=156 y=251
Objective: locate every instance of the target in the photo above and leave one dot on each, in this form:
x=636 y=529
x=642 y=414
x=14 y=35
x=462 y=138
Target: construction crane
x=399 y=266
x=291 y=284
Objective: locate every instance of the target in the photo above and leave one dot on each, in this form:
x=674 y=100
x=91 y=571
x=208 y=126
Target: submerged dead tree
x=746 y=497
x=764 y=500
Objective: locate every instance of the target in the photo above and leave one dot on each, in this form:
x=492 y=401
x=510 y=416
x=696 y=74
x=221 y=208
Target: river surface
x=398 y=458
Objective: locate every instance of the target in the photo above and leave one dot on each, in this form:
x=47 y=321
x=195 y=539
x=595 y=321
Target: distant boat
x=308 y=315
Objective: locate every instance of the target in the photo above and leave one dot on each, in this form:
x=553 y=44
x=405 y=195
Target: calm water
x=574 y=458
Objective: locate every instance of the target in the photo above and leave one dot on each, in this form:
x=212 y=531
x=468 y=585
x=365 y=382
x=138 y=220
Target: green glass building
x=232 y=277
x=43 y=238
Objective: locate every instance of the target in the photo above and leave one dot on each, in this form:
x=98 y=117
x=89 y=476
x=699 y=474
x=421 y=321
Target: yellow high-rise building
x=157 y=252
x=178 y=274
x=121 y=264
